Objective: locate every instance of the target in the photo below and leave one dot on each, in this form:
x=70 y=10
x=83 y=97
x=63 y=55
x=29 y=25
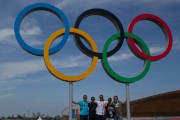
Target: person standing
x=118 y=106
x=92 y=109
x=110 y=110
x=84 y=112
x=100 y=110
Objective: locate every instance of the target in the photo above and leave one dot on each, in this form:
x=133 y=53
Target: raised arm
x=74 y=102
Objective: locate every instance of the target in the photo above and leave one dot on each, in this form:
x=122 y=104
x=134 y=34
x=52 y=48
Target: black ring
x=108 y=15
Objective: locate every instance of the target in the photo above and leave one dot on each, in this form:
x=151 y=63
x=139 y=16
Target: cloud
x=154 y=50
x=35 y=42
x=124 y=56
x=7 y=85
x=71 y=61
x=65 y=4
x=34 y=30
x=7 y=88
x=176 y=44
x=20 y=69
x=6 y=33
x=27 y=29
x=12 y=70
x=13 y=73
x=6 y=96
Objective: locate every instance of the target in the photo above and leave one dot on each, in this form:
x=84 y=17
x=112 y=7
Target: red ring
x=162 y=25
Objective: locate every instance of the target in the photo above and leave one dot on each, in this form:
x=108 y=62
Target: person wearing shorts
x=84 y=112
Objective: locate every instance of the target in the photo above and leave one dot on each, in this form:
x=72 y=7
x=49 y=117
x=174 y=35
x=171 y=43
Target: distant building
x=39 y=118
x=165 y=104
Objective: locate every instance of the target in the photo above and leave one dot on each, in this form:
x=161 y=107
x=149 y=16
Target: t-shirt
x=100 y=110
x=83 y=107
x=92 y=108
x=109 y=113
x=118 y=106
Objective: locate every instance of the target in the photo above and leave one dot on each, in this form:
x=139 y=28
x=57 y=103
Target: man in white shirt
x=100 y=110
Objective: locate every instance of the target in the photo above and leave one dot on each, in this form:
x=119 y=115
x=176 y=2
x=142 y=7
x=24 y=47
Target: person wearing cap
x=118 y=106
x=92 y=109
x=84 y=112
x=110 y=110
x=100 y=110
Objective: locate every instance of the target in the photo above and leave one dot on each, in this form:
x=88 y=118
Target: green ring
x=114 y=75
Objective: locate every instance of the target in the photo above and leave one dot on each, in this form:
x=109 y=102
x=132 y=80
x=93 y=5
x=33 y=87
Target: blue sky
x=26 y=86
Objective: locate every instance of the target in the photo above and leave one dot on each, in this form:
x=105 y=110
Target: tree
x=19 y=116
x=2 y=118
x=34 y=115
x=24 y=116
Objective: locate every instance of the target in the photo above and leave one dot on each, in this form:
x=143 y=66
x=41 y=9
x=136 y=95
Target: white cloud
x=13 y=70
x=27 y=29
x=66 y=3
x=35 y=42
x=6 y=96
x=6 y=33
x=16 y=70
x=154 y=50
x=7 y=88
x=12 y=73
x=176 y=44
x=7 y=85
x=34 y=30
x=71 y=61
x=124 y=56
x=63 y=3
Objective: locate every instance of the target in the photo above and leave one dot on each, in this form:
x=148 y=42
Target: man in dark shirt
x=92 y=109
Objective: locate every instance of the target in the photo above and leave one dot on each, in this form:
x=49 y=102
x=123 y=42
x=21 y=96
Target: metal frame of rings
x=131 y=38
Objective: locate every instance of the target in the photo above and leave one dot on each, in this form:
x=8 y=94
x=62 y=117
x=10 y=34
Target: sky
x=26 y=86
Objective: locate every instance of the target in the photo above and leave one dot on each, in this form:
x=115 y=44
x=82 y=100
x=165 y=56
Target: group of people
x=101 y=109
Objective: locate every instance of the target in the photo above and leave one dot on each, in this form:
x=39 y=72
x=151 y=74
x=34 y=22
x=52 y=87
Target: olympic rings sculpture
x=132 y=40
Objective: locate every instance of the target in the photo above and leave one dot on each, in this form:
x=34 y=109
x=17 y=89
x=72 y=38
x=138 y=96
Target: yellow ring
x=56 y=73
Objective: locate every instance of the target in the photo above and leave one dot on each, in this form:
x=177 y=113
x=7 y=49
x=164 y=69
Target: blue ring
x=35 y=7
